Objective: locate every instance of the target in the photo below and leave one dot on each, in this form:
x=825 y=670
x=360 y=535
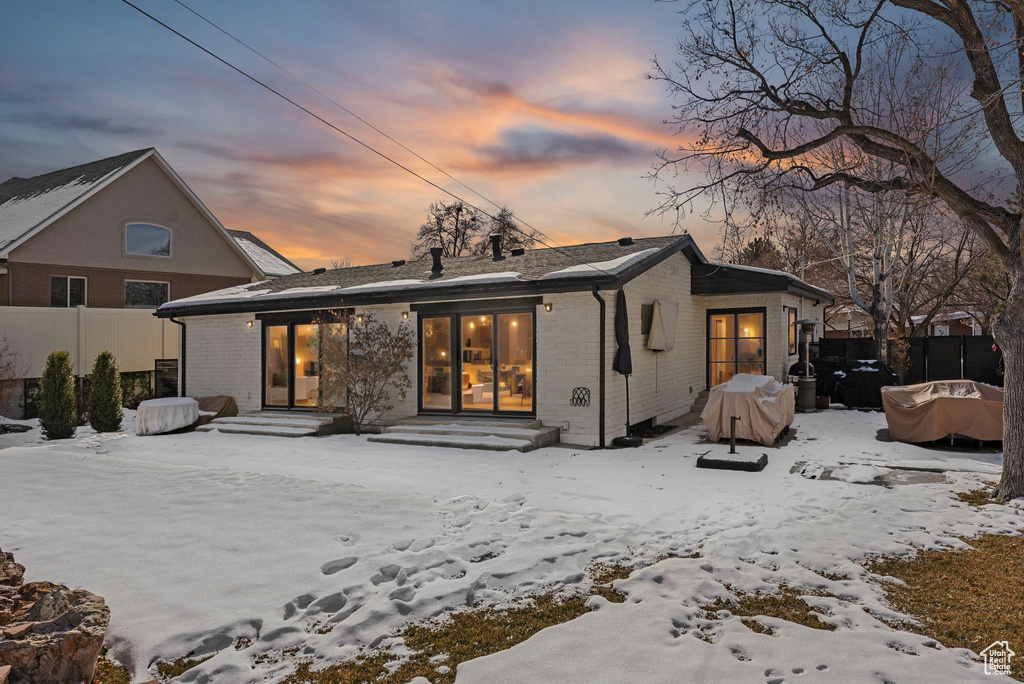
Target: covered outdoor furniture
x=211 y=408
x=764 y=407
x=157 y=416
x=859 y=384
x=933 y=410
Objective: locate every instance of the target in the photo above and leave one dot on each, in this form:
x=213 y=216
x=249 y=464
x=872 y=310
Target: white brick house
x=510 y=334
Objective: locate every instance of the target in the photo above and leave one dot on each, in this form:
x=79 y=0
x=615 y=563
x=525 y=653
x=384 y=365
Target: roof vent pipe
x=518 y=251
x=397 y=262
x=625 y=241
x=435 y=253
x=318 y=271
x=496 y=247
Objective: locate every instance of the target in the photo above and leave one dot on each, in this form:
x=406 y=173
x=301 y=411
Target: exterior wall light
x=249 y=323
x=405 y=315
x=359 y=318
x=548 y=307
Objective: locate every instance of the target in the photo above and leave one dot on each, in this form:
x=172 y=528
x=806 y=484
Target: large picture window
x=736 y=344
x=67 y=291
x=144 y=239
x=139 y=294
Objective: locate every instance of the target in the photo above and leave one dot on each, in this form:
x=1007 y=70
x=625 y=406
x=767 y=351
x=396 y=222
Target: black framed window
x=737 y=343
x=791 y=321
x=140 y=294
x=68 y=291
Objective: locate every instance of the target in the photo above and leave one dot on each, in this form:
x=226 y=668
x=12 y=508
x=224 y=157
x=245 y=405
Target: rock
x=5 y=671
x=18 y=631
x=53 y=635
x=11 y=573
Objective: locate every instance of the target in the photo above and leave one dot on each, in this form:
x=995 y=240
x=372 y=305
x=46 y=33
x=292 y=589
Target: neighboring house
x=81 y=246
x=950 y=324
x=529 y=333
x=270 y=261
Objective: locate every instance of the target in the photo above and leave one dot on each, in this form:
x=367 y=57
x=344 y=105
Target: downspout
x=601 y=376
x=184 y=340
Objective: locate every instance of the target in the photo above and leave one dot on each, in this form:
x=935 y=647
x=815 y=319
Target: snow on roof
x=25 y=203
x=613 y=266
x=267 y=262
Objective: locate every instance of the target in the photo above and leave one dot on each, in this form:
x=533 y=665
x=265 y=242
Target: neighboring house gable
x=73 y=223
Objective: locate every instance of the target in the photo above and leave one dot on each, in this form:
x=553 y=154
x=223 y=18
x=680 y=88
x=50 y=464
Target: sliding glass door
x=492 y=371
x=304 y=365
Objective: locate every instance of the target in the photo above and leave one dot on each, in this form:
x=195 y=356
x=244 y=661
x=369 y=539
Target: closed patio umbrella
x=623 y=362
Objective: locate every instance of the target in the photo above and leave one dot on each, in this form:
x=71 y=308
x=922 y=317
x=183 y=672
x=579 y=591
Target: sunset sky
x=540 y=105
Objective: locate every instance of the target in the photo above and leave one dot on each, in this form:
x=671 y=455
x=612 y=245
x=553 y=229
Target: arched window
x=144 y=239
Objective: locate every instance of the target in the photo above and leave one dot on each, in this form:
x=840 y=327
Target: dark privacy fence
x=968 y=357
x=165 y=378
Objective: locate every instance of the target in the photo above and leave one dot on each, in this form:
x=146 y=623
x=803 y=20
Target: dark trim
x=184 y=349
x=300 y=317
x=707 y=338
x=455 y=354
x=519 y=304
x=724 y=279
x=445 y=291
x=601 y=374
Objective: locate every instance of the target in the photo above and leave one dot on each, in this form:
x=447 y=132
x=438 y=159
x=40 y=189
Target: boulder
x=49 y=634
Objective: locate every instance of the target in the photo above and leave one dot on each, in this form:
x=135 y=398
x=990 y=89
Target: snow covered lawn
x=199 y=540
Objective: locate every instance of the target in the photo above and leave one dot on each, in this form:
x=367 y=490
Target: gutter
x=601 y=376
x=184 y=340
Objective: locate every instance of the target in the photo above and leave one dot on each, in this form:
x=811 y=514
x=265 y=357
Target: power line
x=348 y=135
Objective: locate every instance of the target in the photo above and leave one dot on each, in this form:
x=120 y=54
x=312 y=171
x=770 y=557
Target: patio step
x=262 y=430
x=469 y=421
x=275 y=424
x=700 y=402
x=487 y=434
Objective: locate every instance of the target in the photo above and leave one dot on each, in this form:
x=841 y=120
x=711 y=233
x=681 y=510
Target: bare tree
x=343 y=262
x=513 y=236
x=763 y=88
x=376 y=367
x=455 y=227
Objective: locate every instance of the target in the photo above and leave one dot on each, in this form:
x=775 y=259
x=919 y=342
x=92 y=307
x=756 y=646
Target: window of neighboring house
x=791 y=319
x=67 y=291
x=646 y=318
x=139 y=294
x=143 y=239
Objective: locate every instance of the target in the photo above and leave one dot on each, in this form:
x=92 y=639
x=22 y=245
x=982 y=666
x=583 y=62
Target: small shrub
x=58 y=410
x=135 y=389
x=105 y=395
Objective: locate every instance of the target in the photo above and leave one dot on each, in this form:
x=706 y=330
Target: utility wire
x=348 y=135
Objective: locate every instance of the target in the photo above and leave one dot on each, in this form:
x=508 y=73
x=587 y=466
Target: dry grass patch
x=109 y=672
x=978 y=497
x=438 y=647
x=169 y=669
x=963 y=598
x=785 y=604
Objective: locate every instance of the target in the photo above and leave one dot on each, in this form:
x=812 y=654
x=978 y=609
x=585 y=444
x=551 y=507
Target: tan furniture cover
x=215 y=407
x=763 y=405
x=933 y=410
x=663 y=326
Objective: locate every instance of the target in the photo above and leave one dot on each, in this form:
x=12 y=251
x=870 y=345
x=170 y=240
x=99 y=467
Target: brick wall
x=224 y=358
x=105 y=287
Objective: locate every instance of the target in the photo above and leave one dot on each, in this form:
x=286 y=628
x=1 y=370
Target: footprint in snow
x=298 y=603
x=337 y=565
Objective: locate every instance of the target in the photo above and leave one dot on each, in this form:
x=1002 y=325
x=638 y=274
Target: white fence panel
x=134 y=336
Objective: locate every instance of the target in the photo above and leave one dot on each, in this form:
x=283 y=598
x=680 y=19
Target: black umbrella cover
x=623 y=361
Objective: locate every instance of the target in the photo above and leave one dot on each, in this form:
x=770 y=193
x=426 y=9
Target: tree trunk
x=1009 y=334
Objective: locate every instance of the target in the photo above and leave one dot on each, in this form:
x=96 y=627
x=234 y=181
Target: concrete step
x=464 y=430
x=469 y=421
x=488 y=443
x=324 y=418
x=270 y=421
x=261 y=430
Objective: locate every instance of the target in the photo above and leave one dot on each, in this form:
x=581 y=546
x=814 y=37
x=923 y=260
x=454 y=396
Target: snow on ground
x=198 y=539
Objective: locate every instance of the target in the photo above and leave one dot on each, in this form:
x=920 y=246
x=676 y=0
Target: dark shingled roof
x=533 y=265
x=83 y=174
